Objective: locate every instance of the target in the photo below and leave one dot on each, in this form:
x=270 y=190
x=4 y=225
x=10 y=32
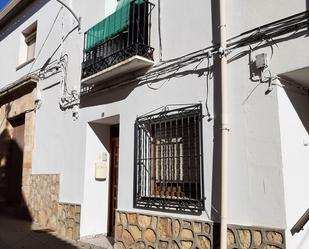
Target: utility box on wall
x=101 y=166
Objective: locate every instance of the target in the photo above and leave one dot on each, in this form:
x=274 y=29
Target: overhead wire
x=262 y=34
x=45 y=40
x=159 y=30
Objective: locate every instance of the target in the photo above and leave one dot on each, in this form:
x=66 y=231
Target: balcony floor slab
x=133 y=66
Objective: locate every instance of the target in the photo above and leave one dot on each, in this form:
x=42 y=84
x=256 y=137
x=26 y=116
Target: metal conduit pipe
x=224 y=127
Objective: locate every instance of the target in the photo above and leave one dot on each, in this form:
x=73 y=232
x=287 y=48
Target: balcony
x=120 y=44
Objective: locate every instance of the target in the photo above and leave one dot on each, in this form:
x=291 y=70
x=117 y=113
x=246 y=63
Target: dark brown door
x=113 y=178
x=15 y=161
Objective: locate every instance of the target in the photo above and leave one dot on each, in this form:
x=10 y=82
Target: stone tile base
x=140 y=231
x=255 y=238
x=47 y=212
x=43 y=203
x=68 y=225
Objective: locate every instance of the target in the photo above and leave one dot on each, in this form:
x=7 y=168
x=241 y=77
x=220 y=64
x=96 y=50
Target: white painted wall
x=95 y=202
x=64 y=146
x=294 y=123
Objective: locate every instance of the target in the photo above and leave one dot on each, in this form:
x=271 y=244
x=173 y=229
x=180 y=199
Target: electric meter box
x=261 y=61
x=101 y=166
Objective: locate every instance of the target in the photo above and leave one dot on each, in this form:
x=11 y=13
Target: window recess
x=27 y=46
x=169 y=160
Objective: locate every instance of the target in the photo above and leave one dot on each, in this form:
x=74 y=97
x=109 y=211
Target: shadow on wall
x=26 y=12
x=15 y=217
x=110 y=94
x=106 y=97
x=300 y=104
x=216 y=175
x=11 y=170
x=102 y=132
x=216 y=169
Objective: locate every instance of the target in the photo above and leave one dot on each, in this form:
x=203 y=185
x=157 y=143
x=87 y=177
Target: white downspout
x=224 y=127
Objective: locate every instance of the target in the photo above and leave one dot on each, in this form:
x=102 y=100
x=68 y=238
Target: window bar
x=149 y=167
x=169 y=164
x=141 y=164
x=160 y=161
x=189 y=157
x=144 y=161
x=200 y=115
x=155 y=159
x=165 y=167
x=195 y=157
x=177 y=177
x=172 y=160
x=139 y=161
x=151 y=172
x=183 y=161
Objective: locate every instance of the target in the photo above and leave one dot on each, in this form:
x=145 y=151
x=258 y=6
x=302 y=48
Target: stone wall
x=255 y=238
x=43 y=203
x=47 y=212
x=158 y=232
x=68 y=225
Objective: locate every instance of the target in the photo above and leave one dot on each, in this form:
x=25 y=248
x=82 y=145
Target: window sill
x=24 y=64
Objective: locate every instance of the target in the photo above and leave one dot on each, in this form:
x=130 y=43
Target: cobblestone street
x=16 y=233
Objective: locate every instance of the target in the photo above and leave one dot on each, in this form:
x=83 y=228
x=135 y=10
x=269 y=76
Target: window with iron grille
x=169 y=160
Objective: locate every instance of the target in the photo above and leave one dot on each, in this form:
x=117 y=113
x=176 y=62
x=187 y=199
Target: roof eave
x=13 y=8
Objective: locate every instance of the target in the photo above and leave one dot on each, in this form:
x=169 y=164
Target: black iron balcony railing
x=123 y=34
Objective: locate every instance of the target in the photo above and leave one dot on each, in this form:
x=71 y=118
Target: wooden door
x=114 y=165
x=15 y=161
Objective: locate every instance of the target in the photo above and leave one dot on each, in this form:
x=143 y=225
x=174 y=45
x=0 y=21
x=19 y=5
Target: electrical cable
x=159 y=30
x=45 y=40
x=163 y=68
x=71 y=11
x=208 y=114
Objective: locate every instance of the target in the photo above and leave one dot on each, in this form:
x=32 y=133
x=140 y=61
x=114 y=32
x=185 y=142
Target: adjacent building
x=111 y=120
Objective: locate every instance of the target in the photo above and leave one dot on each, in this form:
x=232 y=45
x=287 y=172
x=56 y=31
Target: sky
x=3 y=3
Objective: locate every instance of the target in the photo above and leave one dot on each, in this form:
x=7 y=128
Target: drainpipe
x=224 y=126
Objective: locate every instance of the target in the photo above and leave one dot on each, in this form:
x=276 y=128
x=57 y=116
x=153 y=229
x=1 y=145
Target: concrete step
x=96 y=242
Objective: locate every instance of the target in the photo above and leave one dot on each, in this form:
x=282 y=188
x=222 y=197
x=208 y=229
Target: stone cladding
x=255 y=238
x=141 y=231
x=43 y=203
x=68 y=225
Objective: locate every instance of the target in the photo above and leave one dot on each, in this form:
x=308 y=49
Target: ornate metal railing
x=124 y=34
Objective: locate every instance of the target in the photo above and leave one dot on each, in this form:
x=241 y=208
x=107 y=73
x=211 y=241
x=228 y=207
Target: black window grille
x=169 y=160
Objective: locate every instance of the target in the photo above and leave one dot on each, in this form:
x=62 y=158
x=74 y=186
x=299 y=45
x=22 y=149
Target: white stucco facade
x=268 y=132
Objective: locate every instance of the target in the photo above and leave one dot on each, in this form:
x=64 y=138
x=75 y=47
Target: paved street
x=16 y=233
